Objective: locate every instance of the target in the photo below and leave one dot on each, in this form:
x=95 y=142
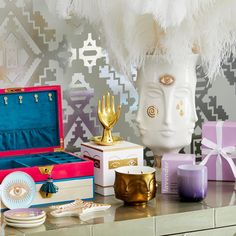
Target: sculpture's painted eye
x=18 y=191
x=167 y=79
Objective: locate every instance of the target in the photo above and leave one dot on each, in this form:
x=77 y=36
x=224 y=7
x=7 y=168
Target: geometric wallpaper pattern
x=37 y=48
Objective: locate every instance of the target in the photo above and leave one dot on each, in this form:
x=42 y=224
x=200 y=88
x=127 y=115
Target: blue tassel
x=48 y=188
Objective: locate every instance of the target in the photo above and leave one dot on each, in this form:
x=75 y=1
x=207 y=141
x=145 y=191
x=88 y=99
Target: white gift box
x=107 y=158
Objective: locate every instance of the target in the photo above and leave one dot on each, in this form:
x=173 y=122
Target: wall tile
x=37 y=48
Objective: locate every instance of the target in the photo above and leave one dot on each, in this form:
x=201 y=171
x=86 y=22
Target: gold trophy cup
x=108 y=117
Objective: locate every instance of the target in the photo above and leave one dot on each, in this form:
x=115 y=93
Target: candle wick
x=141 y=172
x=128 y=172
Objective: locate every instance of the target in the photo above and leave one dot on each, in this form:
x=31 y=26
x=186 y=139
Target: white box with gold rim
x=107 y=158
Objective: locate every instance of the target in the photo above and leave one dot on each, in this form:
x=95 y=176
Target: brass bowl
x=135 y=185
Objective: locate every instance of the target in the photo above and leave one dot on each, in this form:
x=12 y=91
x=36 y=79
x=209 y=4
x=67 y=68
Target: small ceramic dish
x=24 y=221
x=24 y=225
x=18 y=190
x=24 y=214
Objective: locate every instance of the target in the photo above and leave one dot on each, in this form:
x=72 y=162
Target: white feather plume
x=132 y=29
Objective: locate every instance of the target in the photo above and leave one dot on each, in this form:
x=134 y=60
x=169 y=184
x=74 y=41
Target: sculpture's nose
x=167 y=111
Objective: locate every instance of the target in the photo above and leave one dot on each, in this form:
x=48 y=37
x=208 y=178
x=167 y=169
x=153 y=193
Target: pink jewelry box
x=31 y=138
x=169 y=165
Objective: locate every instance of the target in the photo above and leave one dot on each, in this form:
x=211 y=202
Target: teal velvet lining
x=38 y=160
x=29 y=124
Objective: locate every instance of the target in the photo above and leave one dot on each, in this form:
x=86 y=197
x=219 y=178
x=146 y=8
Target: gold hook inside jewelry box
x=21 y=99
x=36 y=97
x=50 y=97
x=5 y=100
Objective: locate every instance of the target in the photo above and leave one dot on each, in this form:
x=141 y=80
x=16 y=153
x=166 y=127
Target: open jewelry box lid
x=30 y=120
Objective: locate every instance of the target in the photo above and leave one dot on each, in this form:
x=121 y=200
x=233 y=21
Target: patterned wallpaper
x=37 y=48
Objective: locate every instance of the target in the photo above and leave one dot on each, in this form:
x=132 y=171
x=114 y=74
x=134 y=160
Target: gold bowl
x=135 y=185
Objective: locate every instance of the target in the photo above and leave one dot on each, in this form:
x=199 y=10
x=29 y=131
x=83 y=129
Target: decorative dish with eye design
x=18 y=190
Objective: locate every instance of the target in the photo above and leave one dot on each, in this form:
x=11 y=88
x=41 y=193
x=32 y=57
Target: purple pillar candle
x=192 y=182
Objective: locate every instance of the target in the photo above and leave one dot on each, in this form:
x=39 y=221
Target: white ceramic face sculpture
x=166 y=115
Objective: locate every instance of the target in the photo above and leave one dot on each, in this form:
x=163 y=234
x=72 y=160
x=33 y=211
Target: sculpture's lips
x=164 y=132
x=167 y=132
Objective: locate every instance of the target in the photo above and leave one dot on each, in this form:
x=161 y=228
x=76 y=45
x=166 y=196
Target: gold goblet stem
x=106 y=136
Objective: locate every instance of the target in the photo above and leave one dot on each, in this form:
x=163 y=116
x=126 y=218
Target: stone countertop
x=162 y=216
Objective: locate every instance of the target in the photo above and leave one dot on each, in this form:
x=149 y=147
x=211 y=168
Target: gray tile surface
x=226 y=231
x=73 y=231
x=138 y=227
x=182 y=222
